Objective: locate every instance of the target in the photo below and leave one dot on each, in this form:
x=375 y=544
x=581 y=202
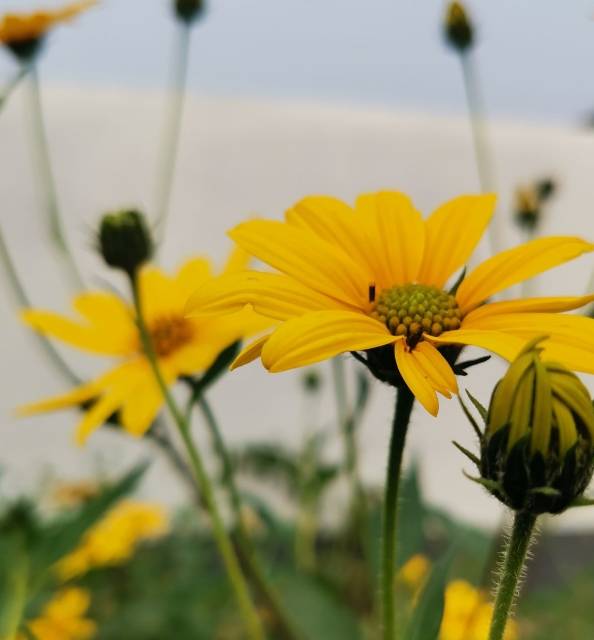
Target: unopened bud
x=458 y=29
x=189 y=10
x=125 y=241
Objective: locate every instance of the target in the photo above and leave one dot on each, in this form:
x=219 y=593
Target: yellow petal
x=505 y=345
x=321 y=335
x=397 y=234
x=250 y=353
x=98 y=414
x=516 y=265
x=192 y=274
x=95 y=339
x=550 y=305
x=238 y=260
x=141 y=406
x=440 y=372
x=158 y=294
x=270 y=294
x=73 y=398
x=303 y=256
x=416 y=377
x=566 y=426
x=453 y=231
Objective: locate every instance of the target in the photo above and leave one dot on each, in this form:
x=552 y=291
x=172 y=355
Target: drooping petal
x=396 y=232
x=94 y=417
x=416 y=377
x=440 y=372
x=516 y=265
x=73 y=398
x=303 y=256
x=503 y=344
x=320 y=335
x=550 y=305
x=270 y=294
x=250 y=353
x=453 y=231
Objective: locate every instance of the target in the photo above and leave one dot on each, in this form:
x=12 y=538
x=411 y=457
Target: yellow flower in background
x=375 y=278
x=107 y=326
x=114 y=539
x=23 y=27
x=467 y=614
x=63 y=618
x=414 y=571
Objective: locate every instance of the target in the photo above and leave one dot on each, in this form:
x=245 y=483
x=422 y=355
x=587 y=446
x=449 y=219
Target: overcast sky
x=535 y=56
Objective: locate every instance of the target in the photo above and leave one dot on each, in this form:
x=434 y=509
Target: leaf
x=425 y=621
x=478 y=406
x=467 y=453
x=270 y=461
x=215 y=371
x=64 y=534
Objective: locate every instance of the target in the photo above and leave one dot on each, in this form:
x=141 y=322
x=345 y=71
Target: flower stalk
x=515 y=558
x=47 y=180
x=252 y=622
x=404 y=405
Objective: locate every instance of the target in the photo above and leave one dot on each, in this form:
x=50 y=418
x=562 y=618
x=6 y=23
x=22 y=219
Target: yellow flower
x=114 y=539
x=26 y=27
x=414 y=571
x=107 y=326
x=63 y=618
x=467 y=614
x=374 y=278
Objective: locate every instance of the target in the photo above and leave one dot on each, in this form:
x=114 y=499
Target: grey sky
x=533 y=55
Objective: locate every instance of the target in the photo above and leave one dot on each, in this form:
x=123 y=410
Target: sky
x=534 y=57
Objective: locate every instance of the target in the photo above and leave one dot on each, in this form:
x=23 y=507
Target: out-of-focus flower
x=374 y=279
x=537 y=450
x=414 y=571
x=64 y=618
x=467 y=614
x=188 y=10
x=107 y=326
x=114 y=539
x=529 y=202
x=22 y=33
x=72 y=494
x=458 y=29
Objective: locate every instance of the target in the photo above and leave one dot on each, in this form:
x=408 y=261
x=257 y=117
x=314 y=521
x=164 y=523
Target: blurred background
x=286 y=99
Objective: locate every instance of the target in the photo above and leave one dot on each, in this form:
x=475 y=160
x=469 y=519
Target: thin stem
x=479 y=138
x=251 y=620
x=404 y=405
x=12 y=84
x=515 y=557
x=173 y=128
x=246 y=546
x=46 y=176
x=22 y=301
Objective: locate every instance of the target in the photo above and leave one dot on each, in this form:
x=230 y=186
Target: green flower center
x=413 y=309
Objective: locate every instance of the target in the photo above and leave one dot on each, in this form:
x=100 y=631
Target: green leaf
x=271 y=462
x=64 y=534
x=217 y=369
x=478 y=406
x=425 y=621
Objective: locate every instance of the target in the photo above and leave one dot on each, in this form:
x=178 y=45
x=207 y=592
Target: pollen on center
x=169 y=333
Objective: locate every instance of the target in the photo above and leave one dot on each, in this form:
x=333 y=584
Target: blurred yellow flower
x=414 y=571
x=63 y=618
x=72 y=494
x=114 y=539
x=23 y=27
x=184 y=346
x=467 y=614
x=374 y=278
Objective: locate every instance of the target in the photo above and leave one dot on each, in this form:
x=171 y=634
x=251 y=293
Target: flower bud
x=527 y=208
x=125 y=241
x=458 y=29
x=537 y=447
x=188 y=10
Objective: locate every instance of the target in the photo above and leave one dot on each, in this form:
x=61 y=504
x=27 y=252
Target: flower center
x=413 y=309
x=169 y=333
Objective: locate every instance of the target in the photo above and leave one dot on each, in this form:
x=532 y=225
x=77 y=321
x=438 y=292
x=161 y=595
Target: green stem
x=46 y=176
x=479 y=138
x=12 y=84
x=22 y=301
x=251 y=620
x=404 y=405
x=173 y=128
x=12 y=610
x=515 y=557
x=246 y=546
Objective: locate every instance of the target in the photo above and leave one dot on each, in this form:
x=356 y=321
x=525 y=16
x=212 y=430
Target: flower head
x=64 y=617
x=373 y=279
x=537 y=451
x=124 y=240
x=188 y=10
x=114 y=539
x=22 y=33
x=107 y=326
x=458 y=29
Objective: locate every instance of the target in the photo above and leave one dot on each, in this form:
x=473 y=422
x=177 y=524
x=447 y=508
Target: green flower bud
x=124 y=240
x=537 y=448
x=527 y=208
x=26 y=50
x=458 y=29
x=312 y=381
x=189 y=10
